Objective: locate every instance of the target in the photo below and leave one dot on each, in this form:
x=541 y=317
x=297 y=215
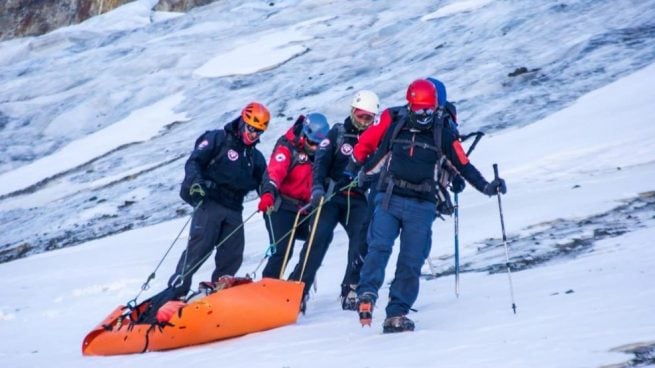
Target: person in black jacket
x=347 y=207
x=410 y=144
x=224 y=166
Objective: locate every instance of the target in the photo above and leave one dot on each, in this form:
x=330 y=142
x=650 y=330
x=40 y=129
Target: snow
x=141 y=125
x=295 y=57
x=263 y=53
x=585 y=155
x=457 y=6
x=50 y=306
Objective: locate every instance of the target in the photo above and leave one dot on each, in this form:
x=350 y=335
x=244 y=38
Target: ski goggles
x=424 y=112
x=364 y=116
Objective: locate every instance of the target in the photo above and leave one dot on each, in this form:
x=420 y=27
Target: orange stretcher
x=236 y=311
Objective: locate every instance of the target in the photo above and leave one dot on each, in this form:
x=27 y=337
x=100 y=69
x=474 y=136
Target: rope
x=293 y=229
x=146 y=285
x=201 y=261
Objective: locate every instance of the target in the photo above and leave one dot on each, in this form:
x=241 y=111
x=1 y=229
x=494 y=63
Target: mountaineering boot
x=223 y=282
x=348 y=297
x=206 y=287
x=303 y=304
x=365 y=308
x=397 y=324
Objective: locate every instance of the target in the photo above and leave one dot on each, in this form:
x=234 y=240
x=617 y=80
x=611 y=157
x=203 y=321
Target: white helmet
x=367 y=101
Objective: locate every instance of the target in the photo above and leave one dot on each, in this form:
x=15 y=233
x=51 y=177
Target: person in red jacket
x=287 y=184
x=407 y=146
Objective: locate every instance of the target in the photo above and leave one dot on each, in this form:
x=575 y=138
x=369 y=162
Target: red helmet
x=421 y=94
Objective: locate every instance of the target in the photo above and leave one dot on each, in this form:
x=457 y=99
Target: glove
x=351 y=170
x=496 y=185
x=458 y=184
x=317 y=194
x=166 y=312
x=197 y=192
x=266 y=202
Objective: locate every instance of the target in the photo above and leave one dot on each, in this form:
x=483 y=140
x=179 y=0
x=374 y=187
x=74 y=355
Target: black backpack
x=444 y=169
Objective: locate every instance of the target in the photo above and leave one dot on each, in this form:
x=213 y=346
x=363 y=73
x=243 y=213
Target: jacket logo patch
x=202 y=145
x=346 y=149
x=232 y=155
x=325 y=143
x=280 y=157
x=302 y=157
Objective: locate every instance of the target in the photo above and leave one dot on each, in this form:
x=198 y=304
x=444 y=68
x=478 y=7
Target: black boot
x=397 y=324
x=303 y=304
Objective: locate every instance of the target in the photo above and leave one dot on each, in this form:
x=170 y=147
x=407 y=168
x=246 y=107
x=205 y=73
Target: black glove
x=458 y=184
x=317 y=193
x=496 y=185
x=352 y=169
x=197 y=192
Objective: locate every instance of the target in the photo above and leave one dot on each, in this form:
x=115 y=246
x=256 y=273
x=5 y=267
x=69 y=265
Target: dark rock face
x=20 y=18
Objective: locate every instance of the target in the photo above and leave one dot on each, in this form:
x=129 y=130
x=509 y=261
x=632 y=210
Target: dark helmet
x=442 y=97
x=315 y=127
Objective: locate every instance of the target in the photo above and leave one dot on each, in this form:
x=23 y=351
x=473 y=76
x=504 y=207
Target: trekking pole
x=146 y=285
x=456 y=221
x=293 y=228
x=311 y=238
x=291 y=239
x=478 y=136
x=502 y=226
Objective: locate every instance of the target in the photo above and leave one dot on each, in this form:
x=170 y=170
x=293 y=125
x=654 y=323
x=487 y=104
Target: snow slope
x=577 y=311
x=506 y=64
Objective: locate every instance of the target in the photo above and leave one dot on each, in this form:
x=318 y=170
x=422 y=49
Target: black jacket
x=414 y=155
x=333 y=156
x=227 y=167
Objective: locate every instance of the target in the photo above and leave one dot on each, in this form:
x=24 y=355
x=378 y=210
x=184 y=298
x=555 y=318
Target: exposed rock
x=180 y=5
x=20 y=18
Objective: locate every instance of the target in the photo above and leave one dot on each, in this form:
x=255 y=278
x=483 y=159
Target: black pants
x=282 y=221
x=336 y=211
x=210 y=225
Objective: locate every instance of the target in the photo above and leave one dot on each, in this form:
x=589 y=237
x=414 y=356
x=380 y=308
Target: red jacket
x=289 y=171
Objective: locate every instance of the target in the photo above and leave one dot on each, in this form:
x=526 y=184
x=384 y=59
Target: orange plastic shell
x=232 y=312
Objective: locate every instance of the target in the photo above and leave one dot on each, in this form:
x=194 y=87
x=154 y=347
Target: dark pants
x=336 y=211
x=412 y=219
x=282 y=222
x=210 y=225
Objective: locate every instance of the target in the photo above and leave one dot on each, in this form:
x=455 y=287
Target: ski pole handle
x=495 y=171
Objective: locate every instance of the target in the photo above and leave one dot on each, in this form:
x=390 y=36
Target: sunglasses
x=252 y=129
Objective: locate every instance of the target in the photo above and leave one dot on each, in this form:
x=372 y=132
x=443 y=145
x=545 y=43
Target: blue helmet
x=441 y=91
x=315 y=127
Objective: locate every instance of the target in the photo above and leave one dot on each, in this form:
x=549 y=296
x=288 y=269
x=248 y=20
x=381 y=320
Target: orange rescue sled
x=231 y=312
